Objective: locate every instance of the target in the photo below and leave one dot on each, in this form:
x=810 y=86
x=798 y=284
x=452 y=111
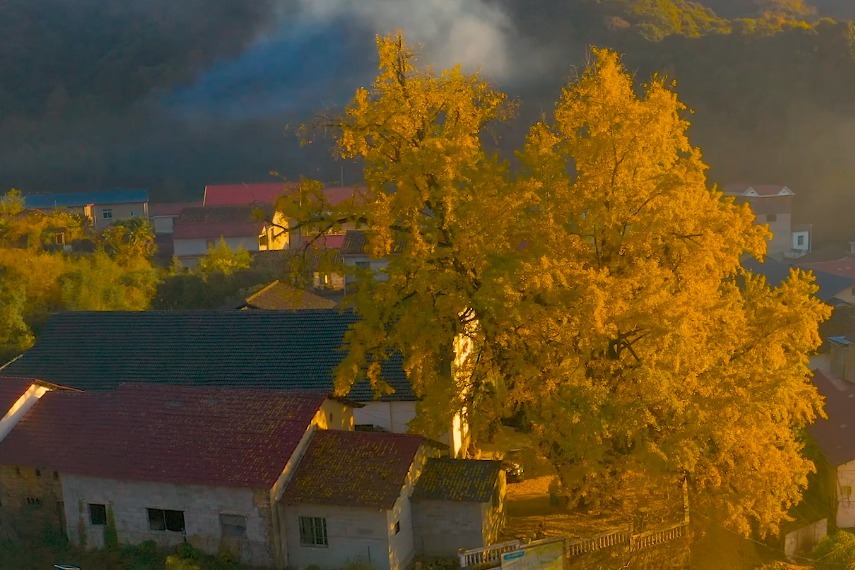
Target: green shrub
x=178 y=563
x=836 y=552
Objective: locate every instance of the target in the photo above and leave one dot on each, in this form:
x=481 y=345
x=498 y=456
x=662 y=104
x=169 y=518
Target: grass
x=52 y=549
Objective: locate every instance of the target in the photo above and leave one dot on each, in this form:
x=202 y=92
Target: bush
x=836 y=552
x=178 y=563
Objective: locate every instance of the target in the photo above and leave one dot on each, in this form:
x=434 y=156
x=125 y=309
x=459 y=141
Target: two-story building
x=772 y=205
x=100 y=208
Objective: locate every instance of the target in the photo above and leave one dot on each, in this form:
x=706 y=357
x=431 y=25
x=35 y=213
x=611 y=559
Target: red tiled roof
x=845 y=267
x=337 y=195
x=216 y=230
x=170 y=208
x=835 y=436
x=329 y=241
x=227 y=437
x=244 y=194
x=11 y=389
x=352 y=468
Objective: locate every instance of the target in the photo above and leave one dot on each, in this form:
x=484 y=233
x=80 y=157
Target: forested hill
x=171 y=96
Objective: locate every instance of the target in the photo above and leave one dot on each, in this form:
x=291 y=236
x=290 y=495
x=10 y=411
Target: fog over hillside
x=171 y=96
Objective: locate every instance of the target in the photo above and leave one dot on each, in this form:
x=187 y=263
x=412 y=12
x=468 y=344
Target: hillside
x=99 y=93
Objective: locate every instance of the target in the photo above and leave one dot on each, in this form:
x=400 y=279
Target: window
x=133 y=214
x=107 y=213
x=313 y=531
x=771 y=217
x=363 y=264
x=800 y=240
x=97 y=514
x=163 y=519
x=233 y=526
x=34 y=501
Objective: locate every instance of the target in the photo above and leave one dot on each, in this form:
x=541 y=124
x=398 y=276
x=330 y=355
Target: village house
x=277 y=296
x=167 y=463
x=833 y=288
x=835 y=438
x=843 y=267
x=291 y=350
x=197 y=230
x=355 y=254
x=350 y=500
x=458 y=504
x=100 y=208
x=772 y=205
x=277 y=478
x=267 y=194
x=165 y=214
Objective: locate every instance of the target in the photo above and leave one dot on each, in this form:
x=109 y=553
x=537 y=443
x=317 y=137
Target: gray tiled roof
x=777 y=272
x=265 y=349
x=465 y=480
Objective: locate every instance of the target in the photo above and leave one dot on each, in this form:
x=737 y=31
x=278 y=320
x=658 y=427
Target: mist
x=102 y=93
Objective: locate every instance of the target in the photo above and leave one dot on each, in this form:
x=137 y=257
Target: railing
x=656 y=537
x=487 y=556
x=598 y=542
x=491 y=556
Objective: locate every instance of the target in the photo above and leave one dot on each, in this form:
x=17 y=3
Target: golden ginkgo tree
x=595 y=287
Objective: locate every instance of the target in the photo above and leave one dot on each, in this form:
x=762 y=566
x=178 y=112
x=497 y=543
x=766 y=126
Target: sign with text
x=538 y=556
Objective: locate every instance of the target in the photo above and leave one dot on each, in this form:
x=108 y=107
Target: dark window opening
x=164 y=519
x=97 y=514
x=397 y=527
x=233 y=526
x=34 y=501
x=313 y=531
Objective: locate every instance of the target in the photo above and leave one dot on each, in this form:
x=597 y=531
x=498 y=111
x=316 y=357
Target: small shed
x=458 y=503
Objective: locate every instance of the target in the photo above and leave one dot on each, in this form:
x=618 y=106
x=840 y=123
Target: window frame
x=92 y=518
x=106 y=213
x=313 y=532
x=167 y=516
x=240 y=534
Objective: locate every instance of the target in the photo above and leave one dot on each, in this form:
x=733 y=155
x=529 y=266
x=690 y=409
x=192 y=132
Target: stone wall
x=29 y=499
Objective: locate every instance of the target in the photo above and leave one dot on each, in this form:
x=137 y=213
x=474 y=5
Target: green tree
x=129 y=239
x=223 y=259
x=599 y=291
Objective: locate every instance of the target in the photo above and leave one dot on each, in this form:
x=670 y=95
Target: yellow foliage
x=600 y=287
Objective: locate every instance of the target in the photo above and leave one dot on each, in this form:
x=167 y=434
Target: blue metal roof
x=77 y=199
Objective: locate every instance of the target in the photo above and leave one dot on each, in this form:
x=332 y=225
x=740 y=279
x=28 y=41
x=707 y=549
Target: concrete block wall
x=201 y=505
x=353 y=534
